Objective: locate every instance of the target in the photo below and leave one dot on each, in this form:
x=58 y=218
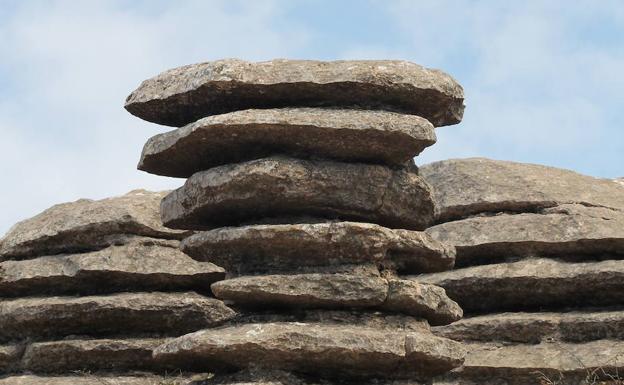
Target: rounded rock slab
x=280 y=188
x=345 y=135
x=266 y=248
x=185 y=94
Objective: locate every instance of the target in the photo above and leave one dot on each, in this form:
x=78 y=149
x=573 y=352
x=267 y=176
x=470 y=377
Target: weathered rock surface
x=572 y=326
x=9 y=357
x=263 y=248
x=566 y=231
x=464 y=187
x=66 y=356
x=532 y=284
x=281 y=187
x=126 y=313
x=345 y=135
x=91 y=379
x=182 y=95
x=139 y=265
x=86 y=225
x=314 y=348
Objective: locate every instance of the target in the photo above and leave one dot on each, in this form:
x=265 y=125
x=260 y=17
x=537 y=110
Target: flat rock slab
x=314 y=348
x=571 y=326
x=266 y=248
x=142 y=264
x=345 y=135
x=92 y=379
x=532 y=284
x=566 y=231
x=280 y=188
x=464 y=187
x=185 y=94
x=118 y=314
x=86 y=225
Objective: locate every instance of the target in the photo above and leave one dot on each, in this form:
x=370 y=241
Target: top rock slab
x=185 y=94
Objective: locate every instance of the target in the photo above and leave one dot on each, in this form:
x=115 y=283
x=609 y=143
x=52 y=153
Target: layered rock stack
x=539 y=270
x=302 y=186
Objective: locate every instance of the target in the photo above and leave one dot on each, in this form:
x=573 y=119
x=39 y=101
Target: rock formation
x=539 y=270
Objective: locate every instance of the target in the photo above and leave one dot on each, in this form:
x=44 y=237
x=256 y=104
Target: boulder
x=571 y=326
x=325 y=350
x=465 y=187
x=126 y=313
x=86 y=225
x=142 y=264
x=266 y=248
x=566 y=231
x=344 y=135
x=183 y=95
x=530 y=284
x=280 y=188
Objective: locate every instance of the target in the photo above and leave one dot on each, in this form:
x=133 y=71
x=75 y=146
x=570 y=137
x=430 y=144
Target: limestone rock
x=126 y=313
x=86 y=225
x=182 y=95
x=572 y=326
x=532 y=284
x=314 y=348
x=464 y=187
x=279 y=187
x=9 y=357
x=264 y=248
x=141 y=264
x=566 y=231
x=91 y=379
x=345 y=135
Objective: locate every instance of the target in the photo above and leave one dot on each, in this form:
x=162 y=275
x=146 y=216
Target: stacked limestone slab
x=302 y=186
x=539 y=270
x=95 y=287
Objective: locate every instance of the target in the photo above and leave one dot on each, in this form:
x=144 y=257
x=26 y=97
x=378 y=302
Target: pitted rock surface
x=344 y=135
x=95 y=379
x=185 y=94
x=264 y=248
x=281 y=187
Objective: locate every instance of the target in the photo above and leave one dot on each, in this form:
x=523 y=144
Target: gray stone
x=280 y=188
x=182 y=95
x=9 y=357
x=566 y=231
x=93 y=379
x=141 y=264
x=265 y=248
x=86 y=225
x=532 y=284
x=464 y=187
x=127 y=313
x=572 y=326
x=345 y=135
x=325 y=350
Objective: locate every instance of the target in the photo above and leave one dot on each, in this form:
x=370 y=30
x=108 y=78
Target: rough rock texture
x=345 y=135
x=182 y=95
x=532 y=284
x=566 y=231
x=86 y=225
x=126 y=313
x=262 y=248
x=139 y=265
x=92 y=379
x=279 y=187
x=464 y=187
x=9 y=357
x=314 y=348
x=572 y=326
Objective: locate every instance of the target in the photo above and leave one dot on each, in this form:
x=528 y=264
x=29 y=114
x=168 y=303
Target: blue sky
x=543 y=79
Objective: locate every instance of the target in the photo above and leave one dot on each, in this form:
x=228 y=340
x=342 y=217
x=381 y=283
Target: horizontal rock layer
x=95 y=379
x=281 y=187
x=567 y=231
x=532 y=284
x=345 y=135
x=118 y=314
x=313 y=348
x=182 y=95
x=86 y=225
x=140 y=264
x=264 y=248
x=464 y=187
